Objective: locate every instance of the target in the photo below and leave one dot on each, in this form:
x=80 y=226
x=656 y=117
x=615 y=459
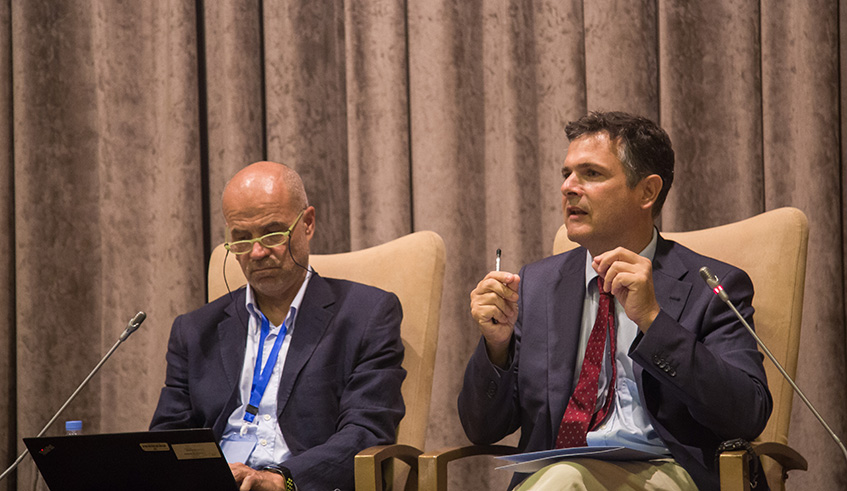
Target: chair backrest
x=768 y=246
x=412 y=267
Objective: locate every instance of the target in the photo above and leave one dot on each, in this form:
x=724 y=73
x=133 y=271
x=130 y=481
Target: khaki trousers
x=593 y=474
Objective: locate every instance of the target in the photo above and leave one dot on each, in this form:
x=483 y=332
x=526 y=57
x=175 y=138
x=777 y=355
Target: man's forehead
x=267 y=183
x=259 y=224
x=599 y=138
x=589 y=149
x=258 y=214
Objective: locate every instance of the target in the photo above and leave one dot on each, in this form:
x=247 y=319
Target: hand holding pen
x=494 y=306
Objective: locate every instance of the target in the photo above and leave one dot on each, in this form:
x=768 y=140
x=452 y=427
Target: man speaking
x=618 y=342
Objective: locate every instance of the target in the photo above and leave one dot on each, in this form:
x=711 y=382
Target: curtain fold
x=306 y=108
x=708 y=64
x=107 y=205
x=120 y=124
x=56 y=177
x=379 y=159
x=235 y=96
x=621 y=51
x=802 y=168
x=447 y=138
x=8 y=356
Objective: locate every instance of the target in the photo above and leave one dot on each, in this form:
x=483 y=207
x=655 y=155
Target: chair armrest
x=735 y=464
x=734 y=467
x=368 y=464
x=787 y=457
x=432 y=466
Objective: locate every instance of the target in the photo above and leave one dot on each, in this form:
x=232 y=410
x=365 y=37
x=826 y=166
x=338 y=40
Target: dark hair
x=642 y=146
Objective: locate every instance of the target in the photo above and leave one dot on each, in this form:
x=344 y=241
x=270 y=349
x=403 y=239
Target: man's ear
x=651 y=186
x=309 y=221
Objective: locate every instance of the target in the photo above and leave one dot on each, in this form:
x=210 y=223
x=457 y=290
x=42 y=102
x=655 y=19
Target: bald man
x=295 y=373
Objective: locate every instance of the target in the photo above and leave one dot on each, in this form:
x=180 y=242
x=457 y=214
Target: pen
x=496 y=268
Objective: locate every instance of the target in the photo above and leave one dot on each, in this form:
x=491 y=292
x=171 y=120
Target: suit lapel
x=564 y=312
x=668 y=279
x=311 y=324
x=232 y=333
x=672 y=291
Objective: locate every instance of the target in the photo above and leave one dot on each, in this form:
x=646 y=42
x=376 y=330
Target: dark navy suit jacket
x=340 y=386
x=698 y=371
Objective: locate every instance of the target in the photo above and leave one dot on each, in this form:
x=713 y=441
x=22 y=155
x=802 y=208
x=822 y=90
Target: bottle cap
x=73 y=425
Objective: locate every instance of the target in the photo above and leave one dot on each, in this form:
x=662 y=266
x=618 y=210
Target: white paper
x=535 y=461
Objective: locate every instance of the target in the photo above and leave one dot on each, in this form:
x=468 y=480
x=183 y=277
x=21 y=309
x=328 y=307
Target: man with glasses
x=295 y=373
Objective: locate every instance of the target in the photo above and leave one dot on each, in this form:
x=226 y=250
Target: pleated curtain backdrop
x=120 y=123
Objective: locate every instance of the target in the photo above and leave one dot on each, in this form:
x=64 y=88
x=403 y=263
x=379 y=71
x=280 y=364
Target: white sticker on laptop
x=191 y=451
x=155 y=447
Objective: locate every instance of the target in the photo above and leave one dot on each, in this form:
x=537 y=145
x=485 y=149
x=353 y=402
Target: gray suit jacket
x=698 y=370
x=340 y=386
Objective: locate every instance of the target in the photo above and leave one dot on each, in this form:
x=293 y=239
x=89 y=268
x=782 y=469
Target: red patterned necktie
x=579 y=415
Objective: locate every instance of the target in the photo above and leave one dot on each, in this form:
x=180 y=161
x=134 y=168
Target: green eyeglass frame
x=271 y=240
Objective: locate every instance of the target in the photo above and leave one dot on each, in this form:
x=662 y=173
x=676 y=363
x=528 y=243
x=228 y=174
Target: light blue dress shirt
x=627 y=424
x=270 y=448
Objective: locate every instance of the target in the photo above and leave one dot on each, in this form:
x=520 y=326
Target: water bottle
x=73 y=428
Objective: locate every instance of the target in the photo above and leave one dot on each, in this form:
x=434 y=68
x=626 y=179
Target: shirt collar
x=591 y=276
x=250 y=300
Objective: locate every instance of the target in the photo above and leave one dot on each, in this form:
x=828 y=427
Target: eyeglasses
x=271 y=240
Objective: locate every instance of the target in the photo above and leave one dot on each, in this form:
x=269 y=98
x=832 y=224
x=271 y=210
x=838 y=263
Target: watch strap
x=286 y=475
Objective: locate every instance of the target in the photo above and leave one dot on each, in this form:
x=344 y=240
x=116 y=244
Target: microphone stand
x=133 y=324
x=715 y=284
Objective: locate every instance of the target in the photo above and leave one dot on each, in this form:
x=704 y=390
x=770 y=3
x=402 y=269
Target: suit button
x=492 y=389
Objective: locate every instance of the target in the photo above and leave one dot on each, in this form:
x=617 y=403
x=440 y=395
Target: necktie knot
x=603 y=294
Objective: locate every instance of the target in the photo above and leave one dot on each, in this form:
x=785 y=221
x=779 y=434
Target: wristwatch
x=286 y=475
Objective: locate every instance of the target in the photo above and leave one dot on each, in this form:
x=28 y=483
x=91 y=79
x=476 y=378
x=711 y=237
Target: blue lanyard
x=261 y=376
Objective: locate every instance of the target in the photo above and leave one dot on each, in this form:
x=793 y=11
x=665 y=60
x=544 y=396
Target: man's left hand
x=629 y=277
x=250 y=479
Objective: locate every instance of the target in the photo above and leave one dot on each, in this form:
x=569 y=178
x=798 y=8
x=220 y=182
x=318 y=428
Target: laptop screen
x=151 y=460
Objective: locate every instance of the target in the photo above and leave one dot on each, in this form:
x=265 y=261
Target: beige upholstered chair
x=413 y=268
x=767 y=246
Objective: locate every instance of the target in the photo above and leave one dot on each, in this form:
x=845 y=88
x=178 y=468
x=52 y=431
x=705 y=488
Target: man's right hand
x=494 y=306
x=249 y=479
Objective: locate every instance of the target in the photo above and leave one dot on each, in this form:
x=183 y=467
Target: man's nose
x=570 y=185
x=259 y=251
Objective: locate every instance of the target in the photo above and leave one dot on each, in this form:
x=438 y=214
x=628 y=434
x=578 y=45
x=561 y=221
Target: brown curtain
x=120 y=122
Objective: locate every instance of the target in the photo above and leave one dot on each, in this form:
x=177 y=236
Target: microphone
x=131 y=327
x=715 y=284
